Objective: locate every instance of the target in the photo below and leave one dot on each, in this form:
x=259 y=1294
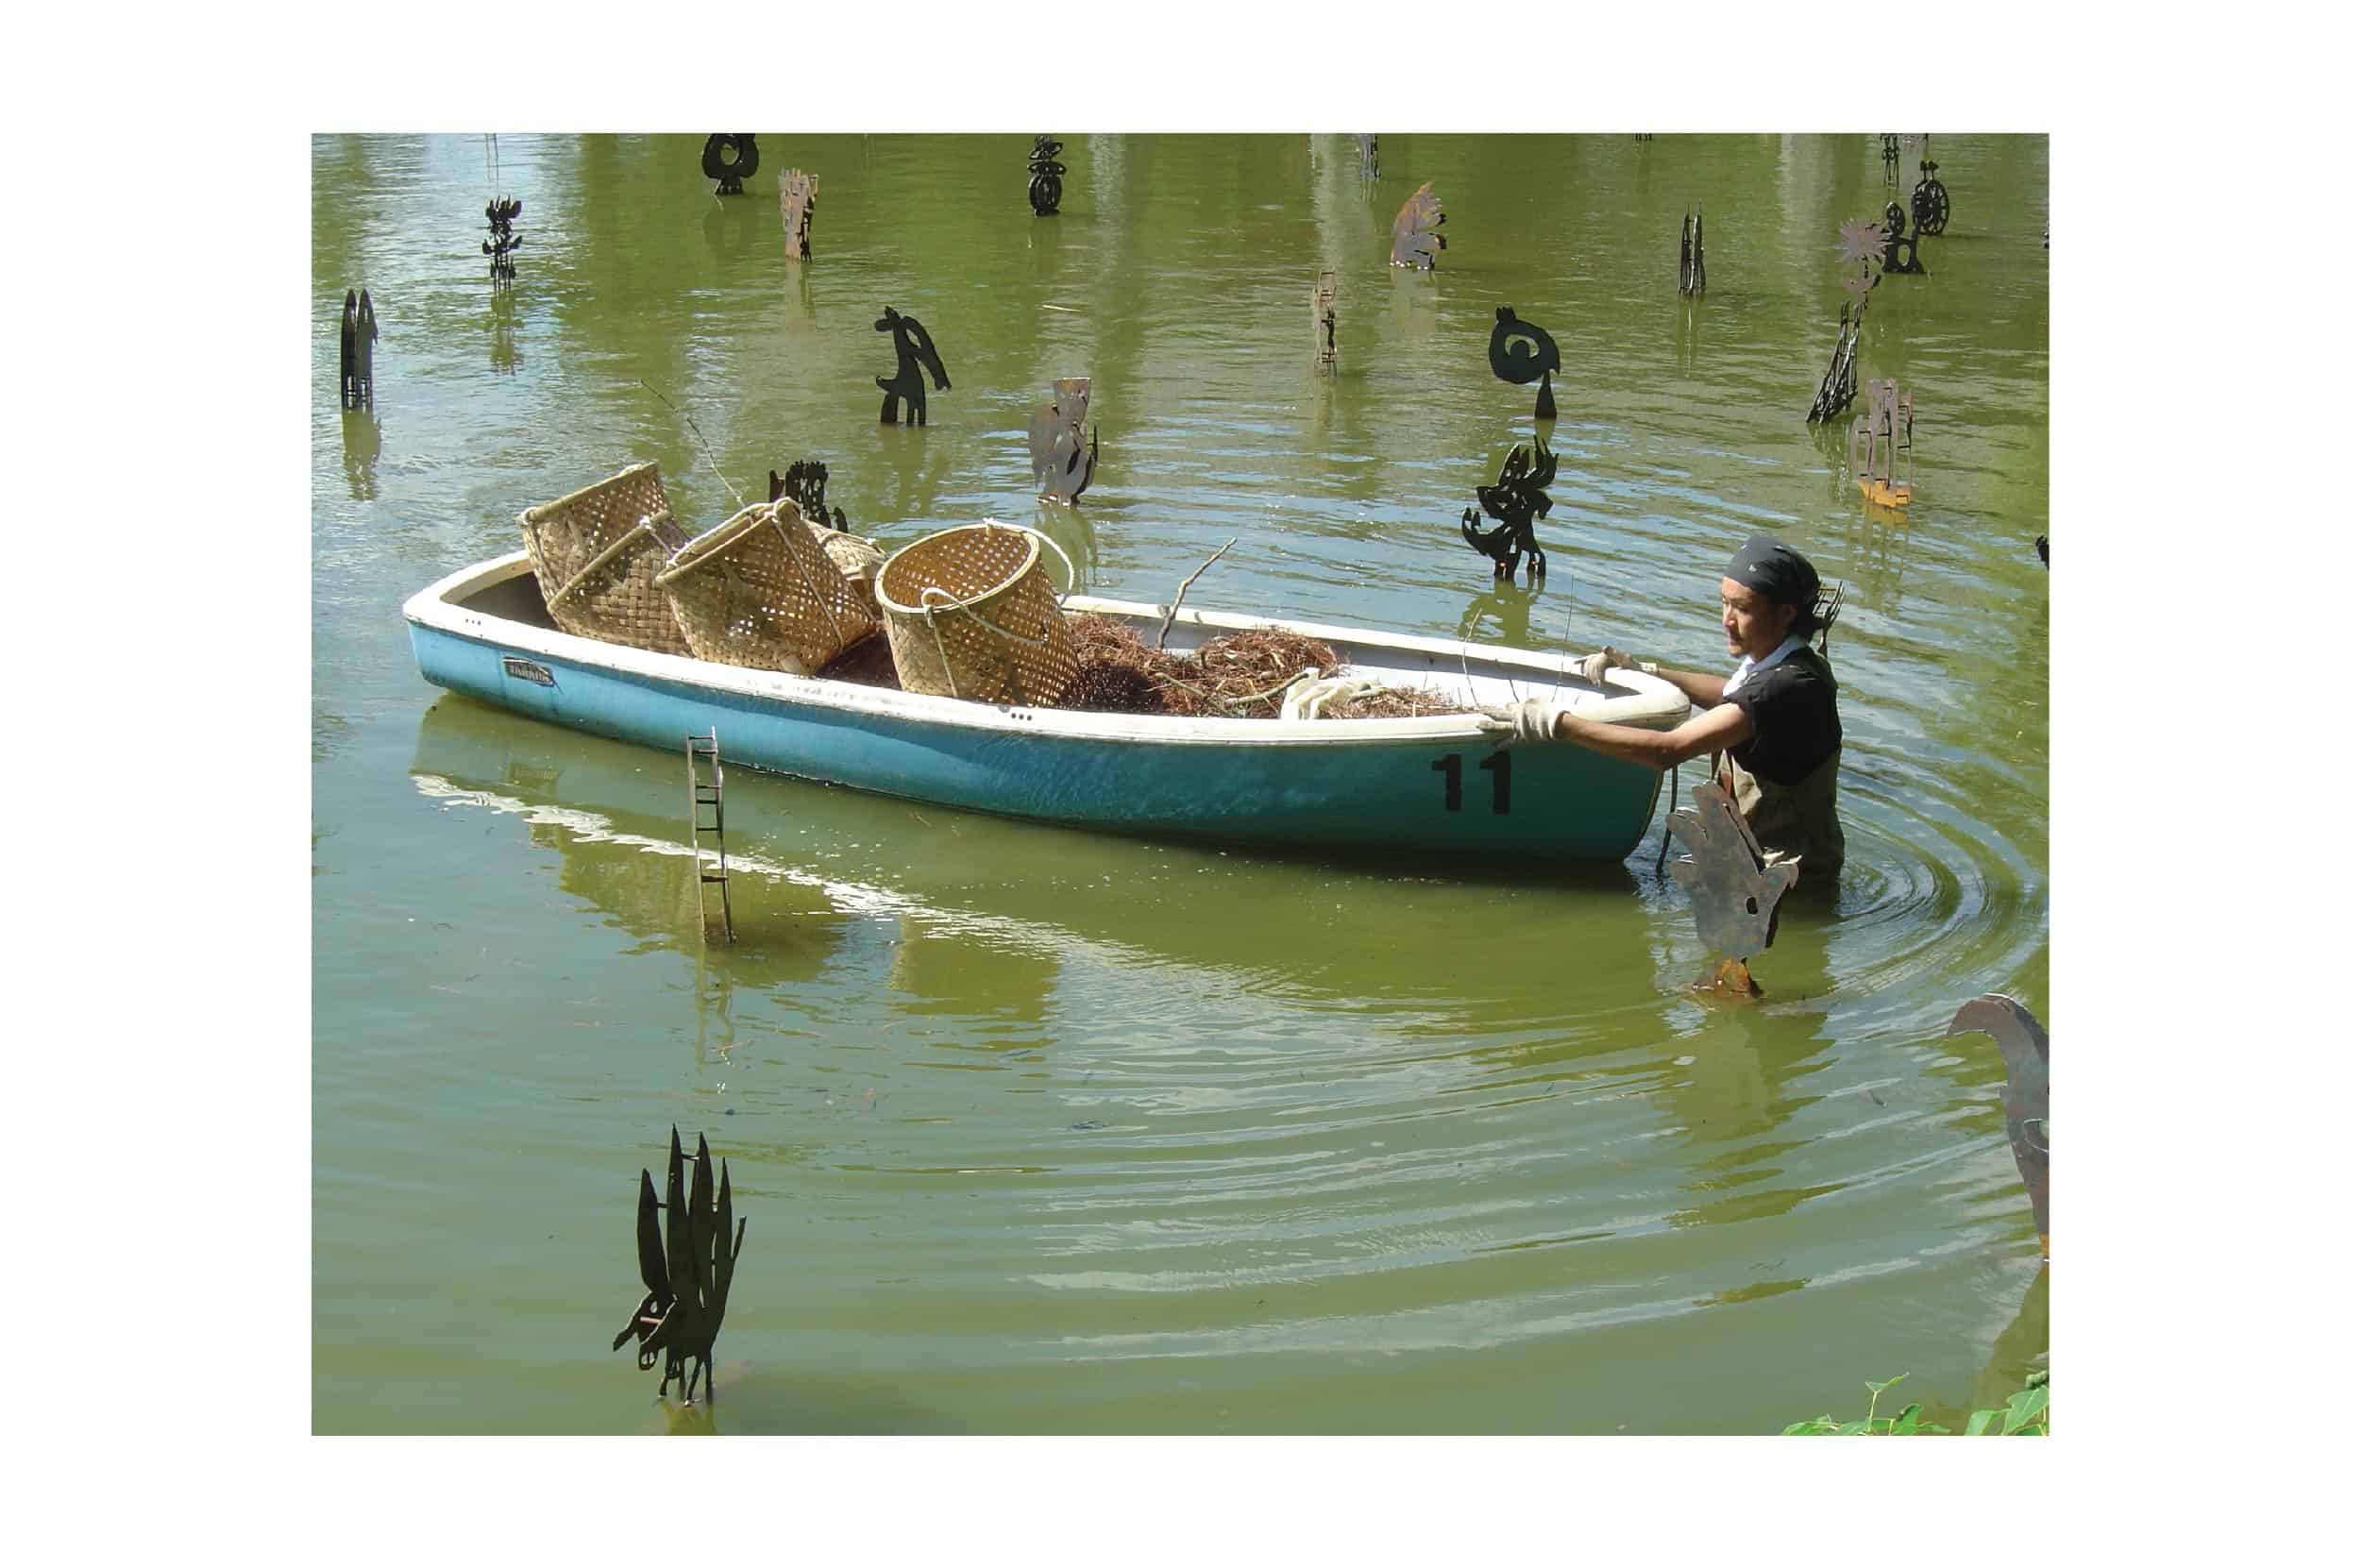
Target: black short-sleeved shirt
x=1792 y=708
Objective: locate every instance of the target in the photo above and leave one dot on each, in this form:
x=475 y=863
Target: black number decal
x=1497 y=765
x=1449 y=768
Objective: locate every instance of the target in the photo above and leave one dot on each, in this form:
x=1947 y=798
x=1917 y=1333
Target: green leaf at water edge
x=1877 y=1388
x=1907 y=1422
x=1854 y=1428
x=2023 y=1407
x=1980 y=1423
x=1814 y=1427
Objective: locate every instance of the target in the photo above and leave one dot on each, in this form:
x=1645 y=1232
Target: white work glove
x=1595 y=668
x=1535 y=718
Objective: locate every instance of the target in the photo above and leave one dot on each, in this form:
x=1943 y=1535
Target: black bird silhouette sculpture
x=912 y=349
x=1521 y=354
x=1519 y=502
x=687 y=1268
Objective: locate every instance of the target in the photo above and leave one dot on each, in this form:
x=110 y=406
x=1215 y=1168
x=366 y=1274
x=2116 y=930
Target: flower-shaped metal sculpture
x=1416 y=236
x=2025 y=1052
x=1062 y=466
x=1861 y=242
x=688 y=1267
x=1733 y=889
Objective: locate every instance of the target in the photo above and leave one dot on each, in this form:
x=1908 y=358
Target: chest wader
x=1798 y=820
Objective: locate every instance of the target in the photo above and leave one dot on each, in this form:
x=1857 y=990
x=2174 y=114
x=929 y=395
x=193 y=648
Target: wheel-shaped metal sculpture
x=1931 y=206
x=732 y=157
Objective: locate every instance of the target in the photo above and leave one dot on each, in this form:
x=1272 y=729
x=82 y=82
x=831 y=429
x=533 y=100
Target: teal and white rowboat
x=1441 y=784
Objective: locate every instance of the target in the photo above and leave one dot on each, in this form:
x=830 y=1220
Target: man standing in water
x=1775 y=719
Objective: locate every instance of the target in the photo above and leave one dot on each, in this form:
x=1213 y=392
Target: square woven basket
x=760 y=592
x=595 y=554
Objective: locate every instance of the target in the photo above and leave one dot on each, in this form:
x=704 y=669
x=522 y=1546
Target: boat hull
x=1436 y=785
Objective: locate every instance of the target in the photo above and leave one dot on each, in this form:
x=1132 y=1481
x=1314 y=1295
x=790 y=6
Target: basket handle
x=1072 y=576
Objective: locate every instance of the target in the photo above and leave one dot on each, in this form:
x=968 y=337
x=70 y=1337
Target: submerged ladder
x=701 y=794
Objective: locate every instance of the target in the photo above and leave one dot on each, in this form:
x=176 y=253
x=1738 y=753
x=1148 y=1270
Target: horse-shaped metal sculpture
x=912 y=349
x=687 y=1268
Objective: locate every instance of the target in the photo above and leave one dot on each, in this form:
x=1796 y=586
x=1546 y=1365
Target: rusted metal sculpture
x=731 y=157
x=1416 y=236
x=806 y=484
x=1048 y=186
x=1521 y=354
x=1062 y=466
x=1693 y=255
x=356 y=375
x=913 y=348
x=1733 y=889
x=2025 y=1052
x=1900 y=252
x=688 y=1267
x=1837 y=387
x=799 y=195
x=1890 y=153
x=1884 y=463
x=1930 y=203
x=1324 y=323
x=1859 y=243
x=501 y=214
x=1518 y=501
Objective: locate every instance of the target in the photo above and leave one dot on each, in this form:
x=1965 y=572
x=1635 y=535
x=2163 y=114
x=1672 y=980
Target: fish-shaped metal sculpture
x=2025 y=1052
x=1416 y=239
x=1733 y=889
x=1062 y=465
x=686 y=1264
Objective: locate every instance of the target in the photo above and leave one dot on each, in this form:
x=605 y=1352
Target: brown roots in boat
x=1237 y=675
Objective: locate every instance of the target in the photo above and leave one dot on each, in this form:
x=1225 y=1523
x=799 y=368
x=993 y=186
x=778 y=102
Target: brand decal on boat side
x=525 y=669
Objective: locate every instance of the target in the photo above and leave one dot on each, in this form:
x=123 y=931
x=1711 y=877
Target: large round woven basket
x=759 y=592
x=969 y=612
x=595 y=554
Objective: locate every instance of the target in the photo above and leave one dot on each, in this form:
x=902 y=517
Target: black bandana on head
x=1777 y=571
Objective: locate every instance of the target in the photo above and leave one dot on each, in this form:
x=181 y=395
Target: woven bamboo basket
x=595 y=554
x=969 y=612
x=759 y=592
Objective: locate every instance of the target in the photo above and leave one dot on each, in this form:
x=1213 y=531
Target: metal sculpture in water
x=1521 y=354
x=1884 y=462
x=806 y=484
x=1859 y=243
x=1517 y=500
x=687 y=1266
x=1417 y=239
x=1930 y=203
x=2025 y=1052
x=1324 y=323
x=1062 y=466
x=356 y=375
x=799 y=195
x=1693 y=255
x=730 y=158
x=1365 y=144
x=1048 y=186
x=501 y=214
x=1890 y=153
x=913 y=349
x=1733 y=889
x=1899 y=251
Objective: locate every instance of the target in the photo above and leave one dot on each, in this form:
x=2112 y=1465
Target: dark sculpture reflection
x=364 y=438
x=1508 y=607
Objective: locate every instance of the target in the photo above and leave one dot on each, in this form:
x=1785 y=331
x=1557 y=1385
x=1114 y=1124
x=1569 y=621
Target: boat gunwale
x=1646 y=700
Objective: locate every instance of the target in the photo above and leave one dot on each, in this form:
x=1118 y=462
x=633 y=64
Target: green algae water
x=1038 y=1131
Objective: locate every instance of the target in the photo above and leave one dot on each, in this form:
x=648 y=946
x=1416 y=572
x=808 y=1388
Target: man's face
x=1752 y=623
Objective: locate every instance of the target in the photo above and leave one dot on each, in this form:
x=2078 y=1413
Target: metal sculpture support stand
x=687 y=1266
x=1048 y=186
x=1693 y=255
x=806 y=484
x=501 y=214
x=1324 y=323
x=1733 y=889
x=730 y=158
x=913 y=348
x=1521 y=354
x=355 y=353
x=1517 y=500
x=799 y=198
x=1884 y=463
x=1417 y=229
x=2025 y=1052
x=1062 y=466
